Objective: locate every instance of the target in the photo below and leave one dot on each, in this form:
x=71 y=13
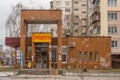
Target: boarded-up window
x=54 y=53
x=80 y=54
x=90 y=56
x=96 y=57
x=85 y=56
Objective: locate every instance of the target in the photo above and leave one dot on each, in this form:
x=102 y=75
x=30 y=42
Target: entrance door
x=41 y=50
x=41 y=60
x=44 y=60
x=38 y=60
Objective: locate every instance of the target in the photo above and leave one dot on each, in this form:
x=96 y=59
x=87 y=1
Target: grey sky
x=5 y=9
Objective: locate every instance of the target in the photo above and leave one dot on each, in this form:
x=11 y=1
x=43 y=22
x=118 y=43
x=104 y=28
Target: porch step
x=34 y=71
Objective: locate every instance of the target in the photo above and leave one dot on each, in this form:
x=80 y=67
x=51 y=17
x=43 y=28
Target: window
x=112 y=15
x=114 y=43
x=83 y=5
x=85 y=56
x=96 y=57
x=76 y=17
x=84 y=19
x=67 y=10
x=58 y=3
x=90 y=56
x=75 y=24
x=29 y=50
x=75 y=2
x=64 y=54
x=67 y=3
x=68 y=24
x=112 y=2
x=80 y=56
x=76 y=9
x=83 y=12
x=112 y=30
x=54 y=53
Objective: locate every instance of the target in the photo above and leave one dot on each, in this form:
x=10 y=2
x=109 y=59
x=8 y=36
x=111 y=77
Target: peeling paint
x=72 y=60
x=104 y=62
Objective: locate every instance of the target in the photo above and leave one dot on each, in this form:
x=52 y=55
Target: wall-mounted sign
x=41 y=37
x=21 y=59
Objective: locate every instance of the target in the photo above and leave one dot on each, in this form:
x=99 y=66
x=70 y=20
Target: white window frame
x=112 y=30
x=112 y=15
x=58 y=3
x=114 y=44
x=112 y=3
x=67 y=9
x=67 y=3
x=64 y=53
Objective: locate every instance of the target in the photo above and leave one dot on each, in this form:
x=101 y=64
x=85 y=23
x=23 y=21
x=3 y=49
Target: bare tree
x=13 y=21
x=72 y=25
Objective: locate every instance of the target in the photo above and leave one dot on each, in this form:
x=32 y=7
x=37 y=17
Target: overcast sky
x=5 y=9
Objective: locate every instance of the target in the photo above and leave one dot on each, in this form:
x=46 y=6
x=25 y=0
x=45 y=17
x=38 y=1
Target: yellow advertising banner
x=41 y=37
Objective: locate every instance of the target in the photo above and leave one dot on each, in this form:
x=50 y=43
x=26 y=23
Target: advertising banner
x=21 y=59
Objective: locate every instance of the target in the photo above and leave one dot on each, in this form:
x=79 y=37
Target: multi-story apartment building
x=65 y=6
x=105 y=19
x=80 y=14
x=74 y=15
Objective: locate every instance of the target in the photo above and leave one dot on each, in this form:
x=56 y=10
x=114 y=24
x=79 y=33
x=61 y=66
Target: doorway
x=41 y=55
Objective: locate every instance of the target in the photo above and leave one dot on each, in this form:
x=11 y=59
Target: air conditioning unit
x=72 y=44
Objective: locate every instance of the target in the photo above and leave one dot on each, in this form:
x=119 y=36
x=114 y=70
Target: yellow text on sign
x=41 y=37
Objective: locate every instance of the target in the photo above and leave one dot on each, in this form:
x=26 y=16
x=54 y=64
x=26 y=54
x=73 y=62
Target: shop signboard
x=41 y=37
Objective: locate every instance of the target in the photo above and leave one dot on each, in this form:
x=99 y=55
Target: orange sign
x=41 y=37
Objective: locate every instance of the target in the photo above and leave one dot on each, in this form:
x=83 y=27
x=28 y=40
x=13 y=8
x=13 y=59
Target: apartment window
x=64 y=54
x=112 y=30
x=96 y=57
x=67 y=3
x=75 y=2
x=67 y=10
x=76 y=9
x=76 y=17
x=83 y=12
x=54 y=53
x=90 y=57
x=80 y=56
x=58 y=3
x=84 y=19
x=114 y=43
x=112 y=15
x=75 y=24
x=68 y=24
x=83 y=5
x=85 y=56
x=112 y=2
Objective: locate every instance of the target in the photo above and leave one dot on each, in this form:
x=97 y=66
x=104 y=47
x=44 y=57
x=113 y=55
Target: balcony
x=96 y=9
x=95 y=18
